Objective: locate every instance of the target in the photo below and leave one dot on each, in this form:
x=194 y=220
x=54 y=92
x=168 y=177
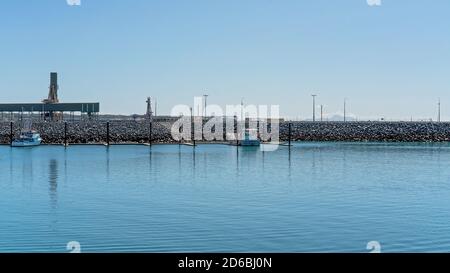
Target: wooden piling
x=258 y=135
x=11 y=133
x=192 y=129
x=65 y=134
x=290 y=134
x=236 y=131
x=150 y=136
x=107 y=133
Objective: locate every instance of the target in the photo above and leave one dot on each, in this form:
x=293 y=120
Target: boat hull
x=25 y=144
x=250 y=143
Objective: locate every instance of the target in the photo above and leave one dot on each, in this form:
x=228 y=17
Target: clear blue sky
x=391 y=61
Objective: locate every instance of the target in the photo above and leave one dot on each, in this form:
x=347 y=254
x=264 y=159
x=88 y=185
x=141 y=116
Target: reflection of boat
x=250 y=138
x=27 y=139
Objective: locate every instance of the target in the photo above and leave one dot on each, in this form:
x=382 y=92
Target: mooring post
x=107 y=133
x=181 y=138
x=224 y=128
x=65 y=134
x=192 y=129
x=150 y=136
x=236 y=131
x=11 y=133
x=257 y=131
x=290 y=133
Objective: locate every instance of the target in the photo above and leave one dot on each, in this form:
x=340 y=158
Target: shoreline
x=198 y=143
x=125 y=132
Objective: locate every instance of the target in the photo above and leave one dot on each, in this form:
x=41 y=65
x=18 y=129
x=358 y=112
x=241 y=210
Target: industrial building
x=50 y=108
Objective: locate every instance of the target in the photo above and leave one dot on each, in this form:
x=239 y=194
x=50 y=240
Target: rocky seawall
x=139 y=131
x=367 y=131
x=93 y=132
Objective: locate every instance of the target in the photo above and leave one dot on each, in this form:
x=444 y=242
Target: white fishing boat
x=250 y=138
x=27 y=139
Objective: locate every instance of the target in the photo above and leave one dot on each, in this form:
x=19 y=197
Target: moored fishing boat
x=250 y=138
x=27 y=139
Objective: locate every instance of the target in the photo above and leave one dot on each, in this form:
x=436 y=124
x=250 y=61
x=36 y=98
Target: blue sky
x=390 y=61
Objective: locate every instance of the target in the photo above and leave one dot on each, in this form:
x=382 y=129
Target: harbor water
x=317 y=197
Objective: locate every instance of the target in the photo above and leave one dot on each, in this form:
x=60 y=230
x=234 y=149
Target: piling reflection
x=53 y=182
x=107 y=164
x=11 y=166
x=27 y=168
x=314 y=163
x=263 y=160
x=289 y=164
x=65 y=165
x=193 y=161
x=237 y=161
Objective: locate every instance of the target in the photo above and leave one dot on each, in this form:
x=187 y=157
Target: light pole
x=242 y=108
x=206 y=103
x=321 y=112
x=439 y=110
x=314 y=107
x=345 y=109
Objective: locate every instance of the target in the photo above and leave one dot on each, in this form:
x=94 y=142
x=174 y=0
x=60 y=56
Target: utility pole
x=242 y=108
x=314 y=107
x=439 y=110
x=345 y=109
x=206 y=103
x=321 y=112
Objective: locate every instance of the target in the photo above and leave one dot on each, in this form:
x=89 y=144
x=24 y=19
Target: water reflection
x=27 y=168
x=53 y=182
x=11 y=166
x=259 y=211
x=313 y=163
x=205 y=165
x=193 y=161
x=65 y=165
x=263 y=160
x=289 y=165
x=107 y=165
x=237 y=161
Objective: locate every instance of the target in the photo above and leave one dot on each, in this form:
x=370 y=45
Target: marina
x=232 y=135
x=320 y=197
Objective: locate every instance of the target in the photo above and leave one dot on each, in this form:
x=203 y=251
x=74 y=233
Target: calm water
x=323 y=197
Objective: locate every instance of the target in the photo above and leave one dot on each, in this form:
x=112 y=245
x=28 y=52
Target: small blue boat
x=27 y=139
x=250 y=139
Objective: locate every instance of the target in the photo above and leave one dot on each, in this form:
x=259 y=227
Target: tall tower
x=53 y=89
x=149 y=113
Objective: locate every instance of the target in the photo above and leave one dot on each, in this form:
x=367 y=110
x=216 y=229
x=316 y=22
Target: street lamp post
x=314 y=107
x=439 y=110
x=321 y=112
x=345 y=109
x=242 y=109
x=206 y=103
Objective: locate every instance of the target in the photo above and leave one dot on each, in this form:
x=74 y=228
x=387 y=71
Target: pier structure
x=11 y=111
x=50 y=108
